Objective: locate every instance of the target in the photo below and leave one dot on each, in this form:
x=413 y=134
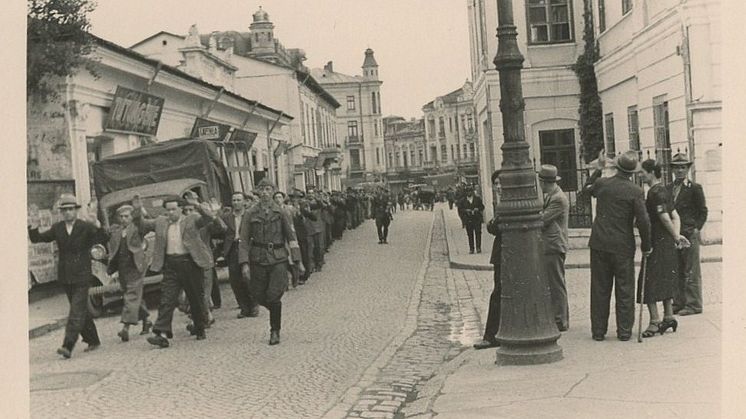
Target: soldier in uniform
x=382 y=213
x=263 y=255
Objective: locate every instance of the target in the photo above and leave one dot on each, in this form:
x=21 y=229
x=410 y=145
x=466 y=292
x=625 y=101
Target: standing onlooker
x=382 y=213
x=554 y=234
x=183 y=256
x=492 y=325
x=619 y=204
x=74 y=238
x=451 y=197
x=234 y=222
x=470 y=211
x=661 y=264
x=264 y=256
x=689 y=202
x=127 y=256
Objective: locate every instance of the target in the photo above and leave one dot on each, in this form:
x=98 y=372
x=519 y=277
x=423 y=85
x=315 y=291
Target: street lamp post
x=527 y=333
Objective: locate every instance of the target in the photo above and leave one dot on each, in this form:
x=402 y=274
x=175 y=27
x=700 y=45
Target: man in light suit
x=127 y=255
x=554 y=235
x=183 y=256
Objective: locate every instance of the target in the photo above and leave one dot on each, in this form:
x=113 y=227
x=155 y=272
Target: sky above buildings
x=422 y=46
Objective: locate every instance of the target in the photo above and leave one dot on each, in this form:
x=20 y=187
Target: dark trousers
x=474 y=232
x=79 y=320
x=238 y=283
x=217 y=299
x=328 y=237
x=268 y=283
x=450 y=205
x=611 y=270
x=688 y=292
x=180 y=272
x=382 y=225
x=554 y=271
x=493 y=312
x=305 y=255
x=318 y=250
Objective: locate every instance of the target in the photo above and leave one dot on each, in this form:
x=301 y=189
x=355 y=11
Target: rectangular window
x=633 y=124
x=443 y=153
x=373 y=102
x=609 y=143
x=391 y=159
x=450 y=124
x=421 y=156
x=355 y=159
x=549 y=21
x=375 y=127
x=469 y=123
x=557 y=147
x=431 y=127
x=471 y=151
x=350 y=103
x=411 y=157
x=352 y=130
x=601 y=16
x=662 y=135
x=626 y=6
x=441 y=127
x=433 y=153
x=464 y=152
x=453 y=155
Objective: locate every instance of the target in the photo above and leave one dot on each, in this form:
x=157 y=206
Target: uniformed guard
x=263 y=255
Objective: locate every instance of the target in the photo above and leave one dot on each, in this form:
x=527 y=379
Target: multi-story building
x=550 y=39
x=451 y=134
x=659 y=81
x=262 y=67
x=404 y=144
x=359 y=118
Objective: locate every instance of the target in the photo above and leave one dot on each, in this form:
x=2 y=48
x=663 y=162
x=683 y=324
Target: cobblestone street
x=334 y=328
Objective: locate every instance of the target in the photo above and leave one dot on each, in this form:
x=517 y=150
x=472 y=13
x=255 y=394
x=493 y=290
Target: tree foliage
x=590 y=110
x=58 y=41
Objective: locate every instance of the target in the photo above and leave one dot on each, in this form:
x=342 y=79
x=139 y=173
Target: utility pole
x=527 y=333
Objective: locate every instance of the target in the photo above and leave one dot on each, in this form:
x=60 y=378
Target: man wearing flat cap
x=263 y=254
x=554 y=235
x=74 y=238
x=689 y=203
x=619 y=204
x=127 y=256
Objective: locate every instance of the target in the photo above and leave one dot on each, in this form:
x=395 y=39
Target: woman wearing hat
x=661 y=265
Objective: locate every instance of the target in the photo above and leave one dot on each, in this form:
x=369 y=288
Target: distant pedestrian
x=619 y=204
x=554 y=234
x=127 y=256
x=689 y=202
x=451 y=197
x=182 y=255
x=662 y=276
x=264 y=257
x=470 y=211
x=74 y=238
x=383 y=216
x=492 y=324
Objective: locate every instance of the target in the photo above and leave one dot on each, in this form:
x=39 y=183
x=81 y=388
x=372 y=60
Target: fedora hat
x=68 y=201
x=627 y=162
x=548 y=173
x=680 y=159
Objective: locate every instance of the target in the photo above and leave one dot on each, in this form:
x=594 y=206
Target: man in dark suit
x=74 y=238
x=492 y=324
x=689 y=202
x=382 y=214
x=183 y=256
x=470 y=211
x=127 y=256
x=554 y=234
x=233 y=222
x=619 y=204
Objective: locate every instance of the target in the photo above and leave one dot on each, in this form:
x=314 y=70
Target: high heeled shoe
x=668 y=324
x=652 y=329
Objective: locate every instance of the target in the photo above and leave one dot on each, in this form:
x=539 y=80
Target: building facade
x=66 y=136
x=311 y=154
x=659 y=81
x=550 y=39
x=404 y=145
x=359 y=119
x=451 y=134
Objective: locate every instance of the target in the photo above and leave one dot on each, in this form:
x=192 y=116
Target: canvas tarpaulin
x=159 y=162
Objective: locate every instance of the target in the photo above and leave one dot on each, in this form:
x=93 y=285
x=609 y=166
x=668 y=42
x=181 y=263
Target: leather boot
x=274 y=337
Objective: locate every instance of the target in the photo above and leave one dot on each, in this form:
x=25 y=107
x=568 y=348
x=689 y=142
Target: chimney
x=329 y=68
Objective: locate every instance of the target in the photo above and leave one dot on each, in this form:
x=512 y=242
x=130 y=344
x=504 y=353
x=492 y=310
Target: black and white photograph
x=404 y=209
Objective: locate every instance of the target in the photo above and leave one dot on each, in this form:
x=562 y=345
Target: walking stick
x=644 y=268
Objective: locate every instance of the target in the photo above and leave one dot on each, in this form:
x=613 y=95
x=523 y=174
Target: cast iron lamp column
x=528 y=333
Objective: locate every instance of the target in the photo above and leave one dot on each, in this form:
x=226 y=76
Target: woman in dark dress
x=660 y=281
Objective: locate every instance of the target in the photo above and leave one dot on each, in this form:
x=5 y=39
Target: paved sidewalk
x=458 y=247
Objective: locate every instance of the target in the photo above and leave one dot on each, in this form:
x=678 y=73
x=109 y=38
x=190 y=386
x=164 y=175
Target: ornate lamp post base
x=529 y=355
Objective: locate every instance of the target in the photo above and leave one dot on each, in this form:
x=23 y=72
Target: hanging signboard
x=246 y=137
x=134 y=112
x=205 y=129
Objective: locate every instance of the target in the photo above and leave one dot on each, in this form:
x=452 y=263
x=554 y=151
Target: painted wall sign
x=134 y=112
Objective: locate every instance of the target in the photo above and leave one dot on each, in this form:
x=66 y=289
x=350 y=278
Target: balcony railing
x=353 y=140
x=357 y=168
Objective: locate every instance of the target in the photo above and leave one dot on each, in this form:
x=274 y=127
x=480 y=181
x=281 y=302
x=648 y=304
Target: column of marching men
x=270 y=242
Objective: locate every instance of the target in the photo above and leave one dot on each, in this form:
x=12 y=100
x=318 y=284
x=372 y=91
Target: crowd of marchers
x=669 y=217
x=269 y=241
